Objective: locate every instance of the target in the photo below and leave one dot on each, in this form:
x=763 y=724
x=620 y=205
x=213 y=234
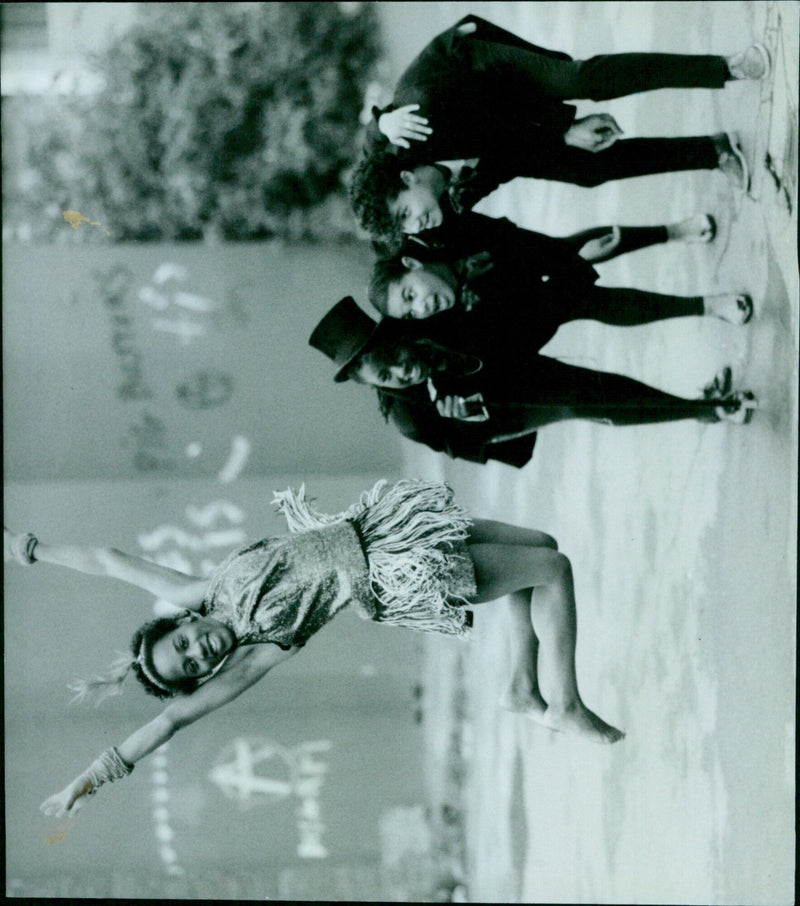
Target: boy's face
x=395 y=369
x=416 y=208
x=423 y=290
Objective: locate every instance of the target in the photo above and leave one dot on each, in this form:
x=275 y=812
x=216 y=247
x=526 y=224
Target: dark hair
x=143 y=641
x=385 y=271
x=437 y=357
x=375 y=182
x=384 y=353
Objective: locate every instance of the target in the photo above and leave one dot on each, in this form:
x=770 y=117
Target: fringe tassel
x=409 y=531
x=98 y=688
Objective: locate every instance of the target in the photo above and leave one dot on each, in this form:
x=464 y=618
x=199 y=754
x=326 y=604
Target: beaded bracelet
x=106 y=768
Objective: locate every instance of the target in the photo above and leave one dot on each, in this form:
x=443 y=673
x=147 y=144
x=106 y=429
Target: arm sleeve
x=419 y=421
x=488 y=31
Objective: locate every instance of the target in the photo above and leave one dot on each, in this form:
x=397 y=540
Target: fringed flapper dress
x=398 y=556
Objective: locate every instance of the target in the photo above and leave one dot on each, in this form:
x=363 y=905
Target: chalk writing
x=184 y=329
x=156 y=543
x=240 y=453
x=149 y=439
x=259 y=772
x=113 y=286
x=165 y=533
x=206 y=516
x=165 y=276
x=205 y=389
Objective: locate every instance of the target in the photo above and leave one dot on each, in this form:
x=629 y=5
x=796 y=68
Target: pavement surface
x=682 y=536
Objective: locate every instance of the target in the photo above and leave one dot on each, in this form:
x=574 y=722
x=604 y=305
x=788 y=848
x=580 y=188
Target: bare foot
x=577 y=718
x=528 y=702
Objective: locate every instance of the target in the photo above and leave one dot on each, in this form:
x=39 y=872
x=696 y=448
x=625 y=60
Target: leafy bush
x=216 y=120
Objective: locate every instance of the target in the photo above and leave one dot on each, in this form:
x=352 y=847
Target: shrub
x=228 y=120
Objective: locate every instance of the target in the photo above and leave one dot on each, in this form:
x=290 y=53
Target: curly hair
x=385 y=272
x=143 y=641
x=375 y=182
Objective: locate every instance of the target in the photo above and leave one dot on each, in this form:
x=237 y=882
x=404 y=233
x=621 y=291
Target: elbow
x=171 y=720
x=109 y=560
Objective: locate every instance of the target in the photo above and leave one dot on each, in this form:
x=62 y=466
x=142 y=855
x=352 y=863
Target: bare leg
x=490 y=531
x=522 y=694
x=503 y=569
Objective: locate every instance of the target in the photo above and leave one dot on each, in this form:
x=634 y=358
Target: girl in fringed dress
x=405 y=554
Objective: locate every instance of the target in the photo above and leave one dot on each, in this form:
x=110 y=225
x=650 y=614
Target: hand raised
x=69 y=800
x=464 y=410
x=402 y=125
x=601 y=246
x=477 y=265
x=451 y=407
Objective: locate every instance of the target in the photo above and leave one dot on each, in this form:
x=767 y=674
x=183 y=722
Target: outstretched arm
x=245 y=668
x=175 y=586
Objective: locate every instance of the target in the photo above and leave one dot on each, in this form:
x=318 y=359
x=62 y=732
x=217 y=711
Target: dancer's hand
x=402 y=125
x=601 y=246
x=465 y=410
x=69 y=800
x=593 y=133
x=477 y=265
x=18 y=546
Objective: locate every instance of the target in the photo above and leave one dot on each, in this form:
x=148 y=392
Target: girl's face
x=193 y=649
x=416 y=207
x=423 y=290
x=395 y=368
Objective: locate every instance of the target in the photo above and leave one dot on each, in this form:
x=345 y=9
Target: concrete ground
x=682 y=536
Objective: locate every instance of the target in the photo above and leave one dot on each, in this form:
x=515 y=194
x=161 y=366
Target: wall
x=150 y=360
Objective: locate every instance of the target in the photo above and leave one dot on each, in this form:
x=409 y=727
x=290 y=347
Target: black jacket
x=474 y=111
x=416 y=417
x=521 y=298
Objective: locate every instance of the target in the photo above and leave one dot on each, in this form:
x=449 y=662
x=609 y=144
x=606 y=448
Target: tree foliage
x=228 y=120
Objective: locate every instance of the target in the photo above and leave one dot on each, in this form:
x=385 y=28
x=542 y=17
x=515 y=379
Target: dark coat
x=416 y=417
x=474 y=111
x=523 y=298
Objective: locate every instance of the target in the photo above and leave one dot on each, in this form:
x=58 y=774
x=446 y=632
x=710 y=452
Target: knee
x=587 y=82
x=559 y=565
x=591 y=174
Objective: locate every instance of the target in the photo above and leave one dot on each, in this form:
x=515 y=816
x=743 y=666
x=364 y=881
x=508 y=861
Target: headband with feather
x=98 y=688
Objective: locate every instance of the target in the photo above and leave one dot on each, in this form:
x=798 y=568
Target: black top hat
x=346 y=332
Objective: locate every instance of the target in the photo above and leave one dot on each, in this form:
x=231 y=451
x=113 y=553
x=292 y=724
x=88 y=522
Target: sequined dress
x=398 y=556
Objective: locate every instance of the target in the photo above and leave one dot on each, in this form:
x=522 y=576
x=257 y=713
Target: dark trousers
x=625 y=307
x=624 y=159
x=567 y=392
x=630 y=239
x=599 y=78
